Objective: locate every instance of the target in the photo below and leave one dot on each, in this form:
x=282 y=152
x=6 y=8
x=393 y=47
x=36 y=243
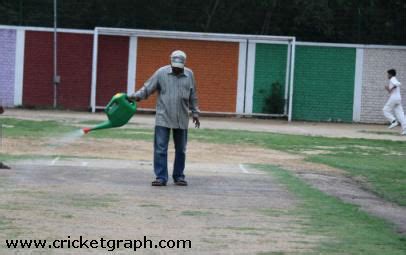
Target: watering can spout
x=119 y=111
x=86 y=130
x=103 y=125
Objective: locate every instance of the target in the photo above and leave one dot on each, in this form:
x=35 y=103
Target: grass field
x=351 y=231
x=378 y=166
x=381 y=163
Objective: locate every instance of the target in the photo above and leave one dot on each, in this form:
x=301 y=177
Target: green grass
x=244 y=229
x=90 y=122
x=385 y=174
x=123 y=133
x=90 y=201
x=271 y=253
x=10 y=158
x=380 y=162
x=296 y=143
x=33 y=129
x=15 y=206
x=150 y=205
x=195 y=213
x=8 y=229
x=349 y=230
x=380 y=132
x=80 y=200
x=4 y=223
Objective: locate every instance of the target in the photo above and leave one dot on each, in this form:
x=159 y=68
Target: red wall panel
x=74 y=67
x=112 y=66
x=37 y=88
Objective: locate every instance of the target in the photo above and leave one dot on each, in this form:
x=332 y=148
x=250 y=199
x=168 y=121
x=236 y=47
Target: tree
x=363 y=21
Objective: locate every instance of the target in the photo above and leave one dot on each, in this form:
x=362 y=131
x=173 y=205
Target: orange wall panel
x=215 y=65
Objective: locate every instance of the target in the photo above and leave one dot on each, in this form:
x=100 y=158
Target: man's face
x=177 y=70
x=389 y=76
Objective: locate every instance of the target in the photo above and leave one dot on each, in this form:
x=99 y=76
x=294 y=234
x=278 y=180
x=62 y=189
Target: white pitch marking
x=85 y=163
x=243 y=169
x=54 y=161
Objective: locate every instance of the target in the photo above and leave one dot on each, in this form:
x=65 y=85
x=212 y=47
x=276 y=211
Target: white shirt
x=394 y=83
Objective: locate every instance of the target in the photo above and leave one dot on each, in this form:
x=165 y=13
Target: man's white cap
x=178 y=59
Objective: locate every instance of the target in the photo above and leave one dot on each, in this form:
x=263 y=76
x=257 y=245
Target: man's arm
x=150 y=86
x=387 y=88
x=390 y=87
x=194 y=104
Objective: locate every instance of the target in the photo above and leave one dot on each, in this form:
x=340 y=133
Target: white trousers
x=393 y=110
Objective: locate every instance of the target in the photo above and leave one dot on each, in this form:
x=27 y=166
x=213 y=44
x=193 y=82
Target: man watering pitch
x=176 y=89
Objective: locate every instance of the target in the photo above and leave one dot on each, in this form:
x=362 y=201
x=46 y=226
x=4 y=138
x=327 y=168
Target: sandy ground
x=224 y=210
x=264 y=125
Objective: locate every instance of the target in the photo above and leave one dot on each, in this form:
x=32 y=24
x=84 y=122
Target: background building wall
x=324 y=83
x=374 y=96
x=7 y=66
x=74 y=67
x=215 y=65
x=112 y=67
x=323 y=86
x=270 y=67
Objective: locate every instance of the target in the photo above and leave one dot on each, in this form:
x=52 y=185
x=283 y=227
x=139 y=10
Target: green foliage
x=274 y=102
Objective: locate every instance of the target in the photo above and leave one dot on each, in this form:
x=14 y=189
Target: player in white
x=393 y=109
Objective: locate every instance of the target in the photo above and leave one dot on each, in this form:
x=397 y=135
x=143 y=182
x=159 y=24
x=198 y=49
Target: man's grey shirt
x=176 y=96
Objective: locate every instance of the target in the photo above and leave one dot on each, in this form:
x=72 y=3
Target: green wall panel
x=324 y=83
x=270 y=67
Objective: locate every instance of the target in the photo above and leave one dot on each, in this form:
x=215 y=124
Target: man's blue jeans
x=161 y=140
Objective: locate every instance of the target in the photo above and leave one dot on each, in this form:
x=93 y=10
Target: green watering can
x=119 y=111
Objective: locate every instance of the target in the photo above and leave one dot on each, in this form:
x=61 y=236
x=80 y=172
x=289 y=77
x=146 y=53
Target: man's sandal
x=180 y=182
x=3 y=166
x=158 y=182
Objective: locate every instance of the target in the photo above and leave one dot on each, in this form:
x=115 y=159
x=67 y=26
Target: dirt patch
x=143 y=150
x=221 y=212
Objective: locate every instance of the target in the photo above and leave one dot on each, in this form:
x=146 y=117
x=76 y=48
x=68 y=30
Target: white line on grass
x=243 y=169
x=85 y=163
x=54 y=161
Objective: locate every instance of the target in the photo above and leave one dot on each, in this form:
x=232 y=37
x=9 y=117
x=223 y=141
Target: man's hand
x=196 y=121
x=133 y=97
